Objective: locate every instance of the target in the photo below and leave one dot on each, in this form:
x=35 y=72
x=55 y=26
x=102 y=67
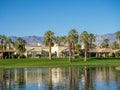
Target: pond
x=60 y=78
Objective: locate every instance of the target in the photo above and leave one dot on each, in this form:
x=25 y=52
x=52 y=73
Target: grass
x=55 y=62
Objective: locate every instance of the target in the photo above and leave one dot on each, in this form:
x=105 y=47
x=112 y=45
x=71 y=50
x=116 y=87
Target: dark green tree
x=84 y=38
x=3 y=39
x=48 y=40
x=72 y=39
x=9 y=42
x=118 y=37
x=114 y=45
x=20 y=46
x=105 y=43
x=91 y=40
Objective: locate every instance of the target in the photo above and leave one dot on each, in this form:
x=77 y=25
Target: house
x=7 y=52
x=36 y=51
x=98 y=52
x=43 y=51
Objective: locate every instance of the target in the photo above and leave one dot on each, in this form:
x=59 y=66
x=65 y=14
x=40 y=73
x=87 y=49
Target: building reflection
x=65 y=78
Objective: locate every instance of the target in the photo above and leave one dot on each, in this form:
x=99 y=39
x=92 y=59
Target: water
x=60 y=78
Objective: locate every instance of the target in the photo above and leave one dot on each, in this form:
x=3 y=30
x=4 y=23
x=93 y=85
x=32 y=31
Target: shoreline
x=57 y=62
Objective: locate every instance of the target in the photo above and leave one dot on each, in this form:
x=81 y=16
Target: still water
x=60 y=78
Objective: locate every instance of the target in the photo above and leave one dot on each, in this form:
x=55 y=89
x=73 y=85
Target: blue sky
x=35 y=17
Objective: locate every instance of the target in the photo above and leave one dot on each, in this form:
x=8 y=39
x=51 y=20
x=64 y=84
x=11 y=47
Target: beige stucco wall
x=39 y=49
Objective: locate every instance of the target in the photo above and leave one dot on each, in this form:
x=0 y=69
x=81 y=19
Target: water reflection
x=65 y=78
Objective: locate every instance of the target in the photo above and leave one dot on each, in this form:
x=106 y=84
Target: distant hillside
x=34 y=40
x=100 y=38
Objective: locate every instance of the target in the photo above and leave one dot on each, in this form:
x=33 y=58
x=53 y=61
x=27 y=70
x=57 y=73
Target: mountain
x=100 y=38
x=31 y=40
x=34 y=40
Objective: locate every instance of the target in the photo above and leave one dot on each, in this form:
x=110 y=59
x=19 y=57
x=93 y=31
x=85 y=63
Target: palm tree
x=84 y=37
x=77 y=48
x=114 y=45
x=20 y=46
x=63 y=40
x=48 y=39
x=118 y=37
x=72 y=40
x=3 y=43
x=105 y=43
x=57 y=40
x=9 y=41
x=91 y=39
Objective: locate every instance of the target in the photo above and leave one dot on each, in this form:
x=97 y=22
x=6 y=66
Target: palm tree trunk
x=69 y=52
x=50 y=57
x=86 y=50
x=85 y=55
x=73 y=51
x=119 y=43
x=9 y=52
x=2 y=50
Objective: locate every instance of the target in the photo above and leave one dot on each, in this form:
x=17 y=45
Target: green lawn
x=44 y=62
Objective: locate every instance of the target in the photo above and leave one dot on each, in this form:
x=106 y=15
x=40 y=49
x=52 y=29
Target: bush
x=112 y=55
x=29 y=55
x=15 y=56
x=38 y=55
x=22 y=56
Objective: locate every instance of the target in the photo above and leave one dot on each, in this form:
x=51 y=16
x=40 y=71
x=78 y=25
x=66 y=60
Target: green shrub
x=15 y=56
x=38 y=55
x=112 y=55
x=29 y=55
x=22 y=56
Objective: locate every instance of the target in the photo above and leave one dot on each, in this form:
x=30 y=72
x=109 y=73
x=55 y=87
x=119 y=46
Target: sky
x=35 y=17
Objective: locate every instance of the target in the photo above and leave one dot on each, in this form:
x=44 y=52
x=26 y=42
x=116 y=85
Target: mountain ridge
x=35 y=40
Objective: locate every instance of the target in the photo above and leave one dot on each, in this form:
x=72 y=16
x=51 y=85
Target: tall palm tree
x=118 y=37
x=3 y=43
x=9 y=41
x=84 y=37
x=48 y=39
x=91 y=39
x=20 y=46
x=72 y=40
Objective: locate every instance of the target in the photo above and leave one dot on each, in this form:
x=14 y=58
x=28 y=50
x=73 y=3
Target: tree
x=117 y=54
x=20 y=46
x=114 y=45
x=84 y=38
x=58 y=40
x=63 y=40
x=48 y=39
x=3 y=43
x=105 y=43
x=72 y=39
x=9 y=41
x=118 y=37
x=91 y=40
x=78 y=48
